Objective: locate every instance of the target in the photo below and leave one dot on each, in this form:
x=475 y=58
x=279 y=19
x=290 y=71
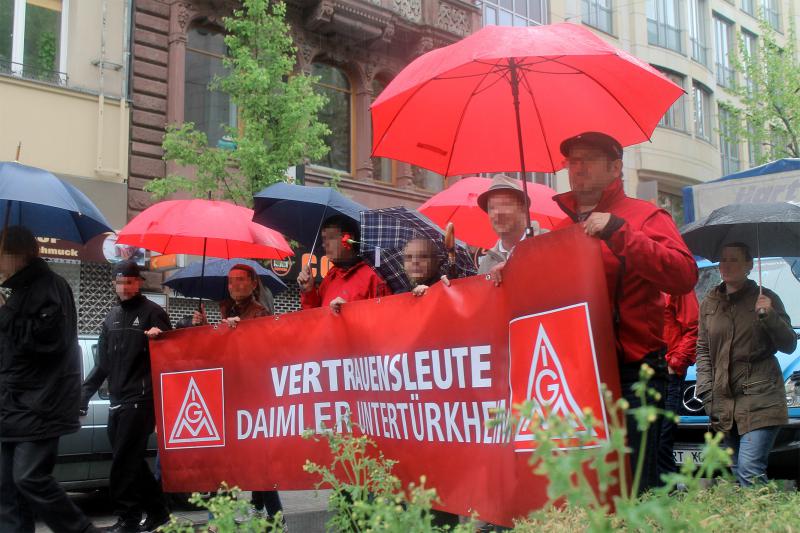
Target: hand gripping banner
x=420 y=375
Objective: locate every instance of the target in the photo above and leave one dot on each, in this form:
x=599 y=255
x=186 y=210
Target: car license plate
x=683 y=455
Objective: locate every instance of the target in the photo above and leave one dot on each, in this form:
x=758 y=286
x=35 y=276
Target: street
x=306 y=510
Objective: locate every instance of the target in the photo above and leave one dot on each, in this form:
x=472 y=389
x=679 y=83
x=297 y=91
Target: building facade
x=63 y=81
x=693 y=42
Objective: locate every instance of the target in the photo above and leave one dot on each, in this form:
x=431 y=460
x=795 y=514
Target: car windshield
x=778 y=274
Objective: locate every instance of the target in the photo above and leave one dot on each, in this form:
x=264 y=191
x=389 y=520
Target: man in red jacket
x=680 y=334
x=643 y=256
x=349 y=279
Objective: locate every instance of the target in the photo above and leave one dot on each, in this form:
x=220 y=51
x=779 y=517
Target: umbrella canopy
x=298 y=211
x=388 y=230
x=47 y=205
x=459 y=204
x=456 y=110
x=215 y=280
x=203 y=227
x=770 y=230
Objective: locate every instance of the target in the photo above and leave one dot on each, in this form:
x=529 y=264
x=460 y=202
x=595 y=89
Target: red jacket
x=359 y=282
x=680 y=331
x=644 y=250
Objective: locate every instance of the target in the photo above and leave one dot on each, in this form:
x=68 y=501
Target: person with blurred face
x=40 y=379
x=422 y=264
x=124 y=359
x=739 y=378
x=643 y=256
x=349 y=279
x=505 y=203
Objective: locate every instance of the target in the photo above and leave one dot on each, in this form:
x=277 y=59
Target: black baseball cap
x=127 y=269
x=596 y=139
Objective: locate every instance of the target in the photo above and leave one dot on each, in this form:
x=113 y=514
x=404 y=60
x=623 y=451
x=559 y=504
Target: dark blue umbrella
x=215 y=281
x=298 y=211
x=47 y=205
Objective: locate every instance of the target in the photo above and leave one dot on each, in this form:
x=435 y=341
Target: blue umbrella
x=298 y=211
x=215 y=281
x=47 y=205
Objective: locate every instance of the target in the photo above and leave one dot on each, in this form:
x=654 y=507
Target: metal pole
x=515 y=93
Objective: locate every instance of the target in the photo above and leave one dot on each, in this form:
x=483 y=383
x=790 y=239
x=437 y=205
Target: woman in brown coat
x=738 y=377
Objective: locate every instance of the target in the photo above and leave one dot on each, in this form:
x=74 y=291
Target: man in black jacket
x=124 y=358
x=40 y=377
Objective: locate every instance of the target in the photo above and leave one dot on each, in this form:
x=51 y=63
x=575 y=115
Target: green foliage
x=769 y=92
x=277 y=111
x=225 y=506
x=366 y=496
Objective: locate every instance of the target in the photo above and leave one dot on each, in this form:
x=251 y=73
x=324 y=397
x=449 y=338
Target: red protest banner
x=420 y=376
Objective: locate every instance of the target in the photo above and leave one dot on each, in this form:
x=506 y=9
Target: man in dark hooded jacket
x=124 y=358
x=39 y=388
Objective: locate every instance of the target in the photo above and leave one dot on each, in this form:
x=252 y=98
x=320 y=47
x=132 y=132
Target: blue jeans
x=751 y=453
x=673 y=402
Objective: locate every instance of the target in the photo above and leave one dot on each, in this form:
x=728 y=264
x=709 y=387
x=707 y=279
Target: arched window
x=211 y=111
x=382 y=168
x=334 y=83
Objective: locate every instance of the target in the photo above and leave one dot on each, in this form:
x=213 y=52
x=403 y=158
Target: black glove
x=83 y=411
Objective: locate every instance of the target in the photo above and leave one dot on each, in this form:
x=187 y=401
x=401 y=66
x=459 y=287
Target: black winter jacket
x=124 y=353
x=40 y=367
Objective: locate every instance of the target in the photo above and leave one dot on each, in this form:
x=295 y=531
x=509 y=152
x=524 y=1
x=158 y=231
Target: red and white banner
x=420 y=376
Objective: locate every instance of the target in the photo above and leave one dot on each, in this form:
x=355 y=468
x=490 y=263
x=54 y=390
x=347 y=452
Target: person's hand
x=763 y=302
x=496 y=274
x=232 y=322
x=153 y=332
x=199 y=317
x=304 y=279
x=420 y=290
x=336 y=304
x=445 y=280
x=83 y=411
x=596 y=223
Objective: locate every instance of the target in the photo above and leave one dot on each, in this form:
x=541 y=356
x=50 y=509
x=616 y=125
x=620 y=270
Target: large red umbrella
x=503 y=99
x=459 y=204
x=203 y=227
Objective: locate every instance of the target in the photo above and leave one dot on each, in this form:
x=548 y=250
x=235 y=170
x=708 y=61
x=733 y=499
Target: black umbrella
x=770 y=230
x=214 y=284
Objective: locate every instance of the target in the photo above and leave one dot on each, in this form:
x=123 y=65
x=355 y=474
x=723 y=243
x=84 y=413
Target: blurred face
x=240 y=285
x=420 y=260
x=733 y=266
x=127 y=287
x=333 y=246
x=10 y=264
x=590 y=172
x=506 y=213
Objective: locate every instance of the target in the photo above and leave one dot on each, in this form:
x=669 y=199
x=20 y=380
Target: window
x=211 y=111
x=723 y=30
x=672 y=204
x=335 y=85
x=702 y=112
x=675 y=117
x=698 y=30
x=728 y=147
x=597 y=13
x=750 y=51
x=514 y=12
x=33 y=39
x=427 y=179
x=771 y=11
x=382 y=168
x=664 y=24
x=748 y=6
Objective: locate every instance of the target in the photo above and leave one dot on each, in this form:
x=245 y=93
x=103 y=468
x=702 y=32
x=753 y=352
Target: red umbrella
x=505 y=96
x=203 y=227
x=459 y=204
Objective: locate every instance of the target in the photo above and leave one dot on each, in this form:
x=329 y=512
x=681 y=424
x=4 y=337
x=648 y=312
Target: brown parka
x=738 y=377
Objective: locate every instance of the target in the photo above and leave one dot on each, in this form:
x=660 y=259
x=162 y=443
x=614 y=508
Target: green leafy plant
x=277 y=109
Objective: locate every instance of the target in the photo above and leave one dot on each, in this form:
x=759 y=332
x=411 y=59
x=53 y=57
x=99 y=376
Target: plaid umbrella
x=384 y=234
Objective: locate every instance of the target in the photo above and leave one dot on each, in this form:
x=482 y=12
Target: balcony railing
x=31 y=73
x=699 y=51
x=664 y=35
x=725 y=75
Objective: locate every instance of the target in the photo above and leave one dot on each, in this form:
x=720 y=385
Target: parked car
x=780 y=275
x=84 y=457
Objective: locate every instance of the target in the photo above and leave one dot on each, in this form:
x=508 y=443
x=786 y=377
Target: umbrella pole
x=316 y=237
x=515 y=93
x=202 y=275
